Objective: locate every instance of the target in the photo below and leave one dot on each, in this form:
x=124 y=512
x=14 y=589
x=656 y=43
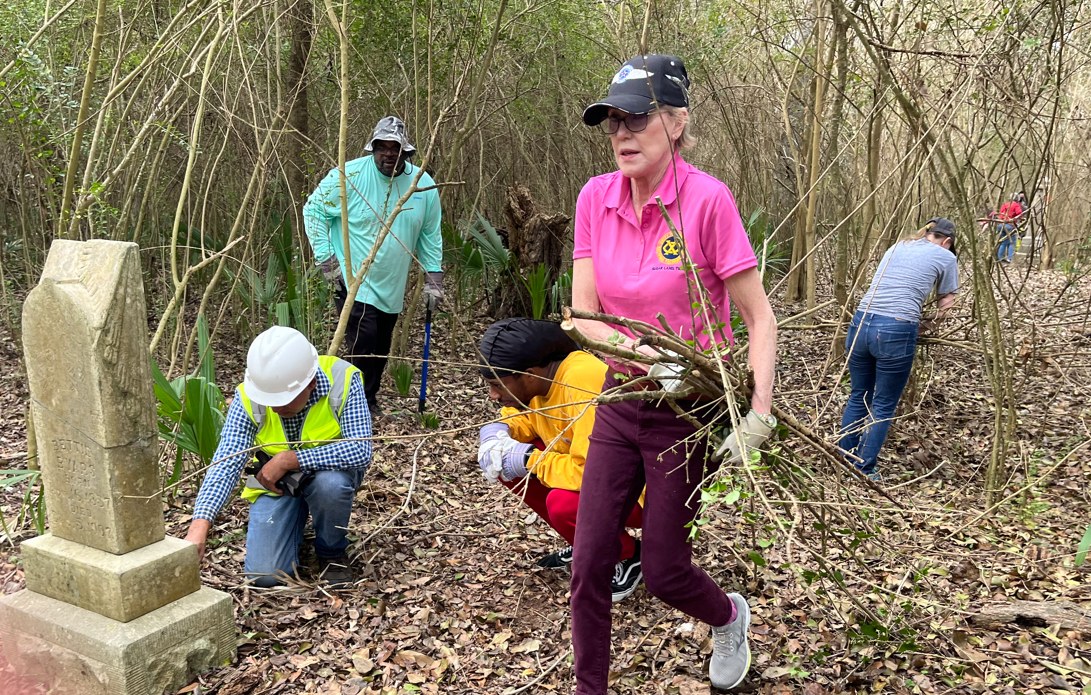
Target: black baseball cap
x=642 y=84
x=942 y=226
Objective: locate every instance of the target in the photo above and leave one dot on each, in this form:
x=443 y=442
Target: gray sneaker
x=730 y=648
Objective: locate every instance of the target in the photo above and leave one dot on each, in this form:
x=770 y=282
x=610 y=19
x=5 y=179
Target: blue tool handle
x=424 y=363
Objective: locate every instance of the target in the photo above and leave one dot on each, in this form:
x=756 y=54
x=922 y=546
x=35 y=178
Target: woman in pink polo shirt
x=628 y=263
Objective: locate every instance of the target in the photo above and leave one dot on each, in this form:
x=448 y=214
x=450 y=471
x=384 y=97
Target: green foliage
x=402 y=374
x=480 y=259
x=280 y=291
x=428 y=420
x=465 y=263
x=32 y=506
x=774 y=257
x=871 y=632
x=722 y=492
x=1084 y=546
x=560 y=295
x=537 y=283
x=494 y=255
x=191 y=408
x=487 y=271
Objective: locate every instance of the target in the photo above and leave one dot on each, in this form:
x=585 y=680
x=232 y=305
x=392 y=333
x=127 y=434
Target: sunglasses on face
x=634 y=123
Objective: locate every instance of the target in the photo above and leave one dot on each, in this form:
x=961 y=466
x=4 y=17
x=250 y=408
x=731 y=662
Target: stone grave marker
x=112 y=606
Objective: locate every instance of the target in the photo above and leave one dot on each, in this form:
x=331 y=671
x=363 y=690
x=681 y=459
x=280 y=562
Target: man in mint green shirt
x=374 y=185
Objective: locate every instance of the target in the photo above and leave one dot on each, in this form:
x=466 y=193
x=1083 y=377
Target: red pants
x=558 y=509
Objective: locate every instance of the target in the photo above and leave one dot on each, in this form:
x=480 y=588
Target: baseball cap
x=642 y=84
x=391 y=128
x=942 y=225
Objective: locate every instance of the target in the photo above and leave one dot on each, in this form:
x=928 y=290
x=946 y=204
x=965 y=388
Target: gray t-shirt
x=906 y=275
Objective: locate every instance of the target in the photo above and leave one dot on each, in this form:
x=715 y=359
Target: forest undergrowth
x=450 y=600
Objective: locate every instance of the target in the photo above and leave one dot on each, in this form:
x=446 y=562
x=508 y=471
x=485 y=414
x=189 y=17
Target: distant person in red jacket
x=1007 y=218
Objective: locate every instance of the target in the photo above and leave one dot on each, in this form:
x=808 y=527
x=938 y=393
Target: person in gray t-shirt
x=882 y=338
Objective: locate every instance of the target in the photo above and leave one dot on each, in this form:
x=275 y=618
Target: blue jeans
x=1006 y=250
x=881 y=351
x=275 y=529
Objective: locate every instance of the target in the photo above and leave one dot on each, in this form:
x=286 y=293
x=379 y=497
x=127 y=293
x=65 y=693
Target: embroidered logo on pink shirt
x=669 y=252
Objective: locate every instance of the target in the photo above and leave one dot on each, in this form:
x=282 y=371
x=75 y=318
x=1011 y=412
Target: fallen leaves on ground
x=449 y=600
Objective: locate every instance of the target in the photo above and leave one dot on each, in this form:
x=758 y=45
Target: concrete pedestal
x=78 y=652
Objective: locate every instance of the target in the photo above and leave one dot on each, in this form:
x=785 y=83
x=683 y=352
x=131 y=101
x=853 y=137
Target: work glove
x=669 y=374
x=433 y=290
x=489 y=457
x=331 y=268
x=331 y=271
x=753 y=429
x=499 y=456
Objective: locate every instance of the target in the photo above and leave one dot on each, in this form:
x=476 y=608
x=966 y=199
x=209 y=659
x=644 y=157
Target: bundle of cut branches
x=721 y=384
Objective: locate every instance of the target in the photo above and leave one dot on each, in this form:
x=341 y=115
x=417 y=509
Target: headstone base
x=122 y=587
x=78 y=652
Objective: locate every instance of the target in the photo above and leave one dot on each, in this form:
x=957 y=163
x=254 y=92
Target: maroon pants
x=558 y=509
x=634 y=444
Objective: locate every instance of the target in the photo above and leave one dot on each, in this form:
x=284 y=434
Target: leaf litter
x=449 y=600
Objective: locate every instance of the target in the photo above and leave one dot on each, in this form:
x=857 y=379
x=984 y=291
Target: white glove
x=754 y=430
x=669 y=374
x=491 y=454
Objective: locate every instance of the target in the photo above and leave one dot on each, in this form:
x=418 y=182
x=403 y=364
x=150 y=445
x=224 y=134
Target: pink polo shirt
x=638 y=266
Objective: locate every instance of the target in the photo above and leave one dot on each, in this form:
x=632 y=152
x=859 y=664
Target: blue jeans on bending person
x=1006 y=250
x=880 y=357
x=275 y=529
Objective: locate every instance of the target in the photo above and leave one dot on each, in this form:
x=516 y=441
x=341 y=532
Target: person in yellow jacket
x=545 y=386
x=307 y=418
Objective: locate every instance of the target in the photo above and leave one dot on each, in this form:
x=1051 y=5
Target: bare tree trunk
x=841 y=274
x=802 y=284
x=63 y=228
x=301 y=20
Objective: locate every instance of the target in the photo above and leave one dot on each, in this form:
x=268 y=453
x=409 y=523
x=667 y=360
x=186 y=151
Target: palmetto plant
x=191 y=407
x=402 y=374
x=538 y=287
x=486 y=264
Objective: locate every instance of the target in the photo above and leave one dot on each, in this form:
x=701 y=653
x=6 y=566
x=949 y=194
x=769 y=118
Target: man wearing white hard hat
x=373 y=186
x=300 y=421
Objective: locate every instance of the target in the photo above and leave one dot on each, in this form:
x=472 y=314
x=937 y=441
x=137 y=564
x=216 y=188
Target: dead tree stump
x=534 y=238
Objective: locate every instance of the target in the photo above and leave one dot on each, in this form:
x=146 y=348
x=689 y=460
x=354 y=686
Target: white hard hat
x=280 y=364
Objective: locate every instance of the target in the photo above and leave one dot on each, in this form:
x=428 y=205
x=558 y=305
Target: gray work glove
x=754 y=430
x=669 y=374
x=433 y=289
x=331 y=270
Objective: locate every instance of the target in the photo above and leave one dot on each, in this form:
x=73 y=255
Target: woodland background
x=196 y=129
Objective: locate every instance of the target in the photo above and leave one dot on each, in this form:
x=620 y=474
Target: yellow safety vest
x=321 y=426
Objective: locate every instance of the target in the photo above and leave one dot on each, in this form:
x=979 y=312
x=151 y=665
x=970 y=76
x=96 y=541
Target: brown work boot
x=336 y=572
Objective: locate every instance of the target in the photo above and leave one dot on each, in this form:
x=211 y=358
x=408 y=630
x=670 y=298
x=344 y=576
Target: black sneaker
x=627 y=575
x=336 y=572
x=559 y=560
